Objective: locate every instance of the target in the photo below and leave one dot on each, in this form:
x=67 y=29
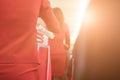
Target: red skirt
x=58 y=62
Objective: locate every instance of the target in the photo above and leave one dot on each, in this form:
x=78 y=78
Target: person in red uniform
x=18 y=52
x=59 y=46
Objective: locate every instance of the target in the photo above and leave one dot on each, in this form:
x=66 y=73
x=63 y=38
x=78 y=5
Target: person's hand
x=66 y=46
x=39 y=37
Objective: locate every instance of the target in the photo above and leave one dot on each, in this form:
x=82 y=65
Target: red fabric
x=58 y=64
x=58 y=52
x=18 y=20
x=19 y=72
x=18 y=29
x=57 y=44
x=45 y=65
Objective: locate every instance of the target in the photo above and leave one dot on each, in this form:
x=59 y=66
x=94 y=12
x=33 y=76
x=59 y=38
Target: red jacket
x=57 y=44
x=17 y=29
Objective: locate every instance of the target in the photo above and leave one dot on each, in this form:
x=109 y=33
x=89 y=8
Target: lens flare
x=81 y=13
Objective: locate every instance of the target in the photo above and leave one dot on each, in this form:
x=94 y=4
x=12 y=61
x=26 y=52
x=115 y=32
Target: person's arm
x=67 y=37
x=48 y=16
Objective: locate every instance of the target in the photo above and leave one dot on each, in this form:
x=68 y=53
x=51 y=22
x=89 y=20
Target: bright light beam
x=81 y=13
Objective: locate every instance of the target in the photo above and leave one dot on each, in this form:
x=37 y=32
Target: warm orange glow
x=89 y=17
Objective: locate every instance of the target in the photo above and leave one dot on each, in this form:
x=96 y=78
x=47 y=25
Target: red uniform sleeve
x=48 y=16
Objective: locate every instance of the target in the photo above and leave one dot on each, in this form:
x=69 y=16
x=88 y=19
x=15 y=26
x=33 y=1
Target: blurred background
x=73 y=11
